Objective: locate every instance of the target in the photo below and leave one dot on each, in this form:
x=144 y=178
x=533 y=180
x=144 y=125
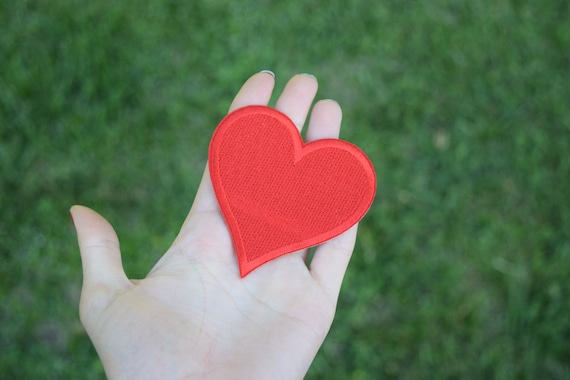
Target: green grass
x=461 y=268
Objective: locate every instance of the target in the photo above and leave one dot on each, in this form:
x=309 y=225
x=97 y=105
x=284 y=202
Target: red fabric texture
x=278 y=194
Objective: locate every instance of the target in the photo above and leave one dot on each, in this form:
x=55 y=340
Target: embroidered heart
x=278 y=194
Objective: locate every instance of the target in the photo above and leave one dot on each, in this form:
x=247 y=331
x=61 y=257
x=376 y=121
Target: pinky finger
x=331 y=260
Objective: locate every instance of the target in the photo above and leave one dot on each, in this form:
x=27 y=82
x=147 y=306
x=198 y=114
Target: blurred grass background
x=461 y=269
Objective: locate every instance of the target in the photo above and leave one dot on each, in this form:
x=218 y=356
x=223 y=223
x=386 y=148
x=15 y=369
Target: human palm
x=193 y=316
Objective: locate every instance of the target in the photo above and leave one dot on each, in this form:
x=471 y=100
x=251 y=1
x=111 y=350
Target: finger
x=205 y=200
x=295 y=102
x=297 y=97
x=331 y=260
x=256 y=90
x=325 y=121
x=99 y=248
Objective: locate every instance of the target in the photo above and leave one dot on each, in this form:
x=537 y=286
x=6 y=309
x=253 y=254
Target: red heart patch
x=278 y=194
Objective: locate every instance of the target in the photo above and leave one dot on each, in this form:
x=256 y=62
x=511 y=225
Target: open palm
x=193 y=316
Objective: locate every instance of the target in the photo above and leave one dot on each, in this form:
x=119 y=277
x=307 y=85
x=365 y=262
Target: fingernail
x=268 y=72
x=310 y=75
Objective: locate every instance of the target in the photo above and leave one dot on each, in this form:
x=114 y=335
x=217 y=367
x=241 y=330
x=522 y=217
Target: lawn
x=462 y=264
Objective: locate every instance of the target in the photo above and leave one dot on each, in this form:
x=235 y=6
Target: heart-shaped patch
x=278 y=194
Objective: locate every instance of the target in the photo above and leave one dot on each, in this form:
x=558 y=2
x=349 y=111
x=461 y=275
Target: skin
x=193 y=316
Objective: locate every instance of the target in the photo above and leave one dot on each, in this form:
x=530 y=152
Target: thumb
x=100 y=252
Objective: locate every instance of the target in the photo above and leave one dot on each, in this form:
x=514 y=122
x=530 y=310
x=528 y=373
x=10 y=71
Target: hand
x=193 y=316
